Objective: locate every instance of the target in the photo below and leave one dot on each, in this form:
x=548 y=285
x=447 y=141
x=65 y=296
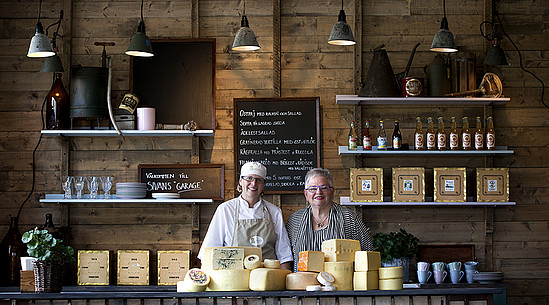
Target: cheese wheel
x=342 y=272
x=252 y=262
x=195 y=280
x=314 y=288
x=386 y=273
x=339 y=250
x=311 y=261
x=329 y=288
x=267 y=279
x=365 y=280
x=271 y=263
x=300 y=280
x=325 y=278
x=390 y=284
x=229 y=280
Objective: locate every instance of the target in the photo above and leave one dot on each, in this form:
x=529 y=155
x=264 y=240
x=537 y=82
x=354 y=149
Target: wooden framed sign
x=133 y=267
x=492 y=184
x=172 y=266
x=450 y=184
x=93 y=267
x=408 y=184
x=199 y=181
x=281 y=133
x=367 y=184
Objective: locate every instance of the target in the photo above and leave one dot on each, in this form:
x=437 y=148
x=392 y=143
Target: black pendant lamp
x=495 y=55
x=53 y=63
x=444 y=39
x=245 y=39
x=140 y=44
x=341 y=34
x=40 y=45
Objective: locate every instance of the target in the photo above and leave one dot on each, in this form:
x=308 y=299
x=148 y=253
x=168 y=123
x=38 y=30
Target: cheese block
x=195 y=280
x=367 y=260
x=208 y=258
x=228 y=280
x=300 y=280
x=271 y=263
x=252 y=262
x=342 y=273
x=339 y=250
x=390 y=284
x=311 y=261
x=386 y=273
x=365 y=280
x=267 y=279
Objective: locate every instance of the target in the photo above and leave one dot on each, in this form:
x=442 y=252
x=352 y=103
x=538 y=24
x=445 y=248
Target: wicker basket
x=48 y=276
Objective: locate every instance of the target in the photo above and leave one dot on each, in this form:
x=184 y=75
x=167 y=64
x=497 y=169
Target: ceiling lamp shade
x=444 y=39
x=245 y=39
x=341 y=34
x=140 y=44
x=52 y=64
x=496 y=55
x=40 y=45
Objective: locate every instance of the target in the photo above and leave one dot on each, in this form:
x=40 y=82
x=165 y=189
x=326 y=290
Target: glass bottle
x=479 y=135
x=418 y=136
x=465 y=135
x=397 y=137
x=57 y=106
x=52 y=229
x=490 y=134
x=381 y=137
x=441 y=135
x=353 y=137
x=431 y=136
x=367 y=138
x=11 y=250
x=454 y=136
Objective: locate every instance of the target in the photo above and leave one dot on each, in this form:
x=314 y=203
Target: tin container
x=412 y=86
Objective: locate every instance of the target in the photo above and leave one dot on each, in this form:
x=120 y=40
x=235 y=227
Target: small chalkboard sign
x=281 y=133
x=196 y=181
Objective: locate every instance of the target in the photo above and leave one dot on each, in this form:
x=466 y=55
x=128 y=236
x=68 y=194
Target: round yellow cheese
x=300 y=280
x=342 y=273
x=390 y=284
x=195 y=280
x=386 y=273
x=271 y=263
x=229 y=280
x=252 y=262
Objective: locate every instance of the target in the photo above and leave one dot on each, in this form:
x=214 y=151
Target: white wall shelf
x=129 y=133
x=441 y=101
x=500 y=150
x=58 y=198
x=347 y=201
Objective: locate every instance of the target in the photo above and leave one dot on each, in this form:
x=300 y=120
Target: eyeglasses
x=323 y=188
x=252 y=179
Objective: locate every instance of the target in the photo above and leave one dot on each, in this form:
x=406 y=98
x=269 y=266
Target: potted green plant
x=396 y=249
x=51 y=255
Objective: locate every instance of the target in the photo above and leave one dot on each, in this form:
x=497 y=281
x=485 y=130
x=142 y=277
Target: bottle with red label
x=490 y=134
x=367 y=138
x=465 y=135
x=479 y=135
x=353 y=137
x=418 y=136
x=431 y=135
x=397 y=137
x=441 y=135
x=454 y=136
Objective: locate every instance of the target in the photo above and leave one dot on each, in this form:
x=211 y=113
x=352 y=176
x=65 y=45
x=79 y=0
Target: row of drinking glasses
x=93 y=182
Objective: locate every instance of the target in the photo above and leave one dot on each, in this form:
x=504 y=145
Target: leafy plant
x=43 y=246
x=396 y=245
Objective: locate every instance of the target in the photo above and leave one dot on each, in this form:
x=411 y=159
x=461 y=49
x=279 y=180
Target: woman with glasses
x=250 y=221
x=323 y=219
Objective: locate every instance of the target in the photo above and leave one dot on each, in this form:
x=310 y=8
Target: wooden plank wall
x=309 y=67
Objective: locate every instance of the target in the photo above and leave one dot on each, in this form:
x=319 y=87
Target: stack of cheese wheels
x=340 y=256
x=225 y=267
x=367 y=264
x=196 y=280
x=269 y=278
x=390 y=278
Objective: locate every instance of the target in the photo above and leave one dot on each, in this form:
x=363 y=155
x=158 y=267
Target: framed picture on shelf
x=93 y=267
x=450 y=184
x=366 y=184
x=492 y=184
x=408 y=184
x=172 y=266
x=133 y=267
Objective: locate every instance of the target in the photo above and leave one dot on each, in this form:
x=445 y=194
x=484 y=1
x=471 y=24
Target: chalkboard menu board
x=281 y=133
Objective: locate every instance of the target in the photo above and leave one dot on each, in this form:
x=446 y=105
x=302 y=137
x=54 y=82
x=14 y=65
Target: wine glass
x=93 y=186
x=79 y=182
x=66 y=182
x=106 y=185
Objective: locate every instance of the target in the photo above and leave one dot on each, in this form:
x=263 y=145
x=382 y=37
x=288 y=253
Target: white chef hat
x=253 y=168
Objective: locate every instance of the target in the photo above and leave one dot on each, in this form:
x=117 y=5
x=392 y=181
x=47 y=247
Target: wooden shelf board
x=347 y=201
x=465 y=101
x=500 y=150
x=58 y=198
x=129 y=133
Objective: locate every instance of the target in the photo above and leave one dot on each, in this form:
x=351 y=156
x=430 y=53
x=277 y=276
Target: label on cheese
x=228 y=253
x=300 y=280
x=342 y=273
x=196 y=280
x=229 y=280
x=338 y=250
x=311 y=261
x=367 y=260
x=365 y=280
x=216 y=253
x=268 y=279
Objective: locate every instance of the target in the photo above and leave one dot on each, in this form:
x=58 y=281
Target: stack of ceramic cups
x=455 y=272
x=438 y=272
x=423 y=273
x=470 y=270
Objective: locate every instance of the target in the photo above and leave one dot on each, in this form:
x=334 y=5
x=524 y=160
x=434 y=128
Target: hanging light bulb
x=341 y=34
x=444 y=39
x=245 y=39
x=40 y=45
x=140 y=44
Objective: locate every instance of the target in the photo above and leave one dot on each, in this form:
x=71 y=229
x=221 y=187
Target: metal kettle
x=438 y=76
x=380 y=79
